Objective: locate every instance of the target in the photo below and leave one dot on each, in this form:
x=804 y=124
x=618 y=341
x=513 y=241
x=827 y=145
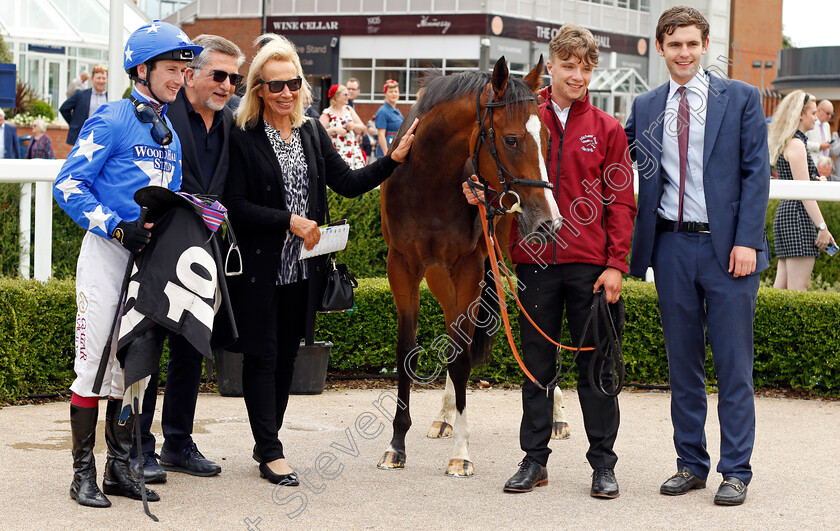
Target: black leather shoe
x=152 y=470
x=732 y=491
x=531 y=474
x=256 y=455
x=189 y=461
x=682 y=482
x=284 y=480
x=604 y=484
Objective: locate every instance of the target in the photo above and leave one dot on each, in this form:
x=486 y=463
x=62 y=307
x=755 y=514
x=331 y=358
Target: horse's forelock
x=440 y=88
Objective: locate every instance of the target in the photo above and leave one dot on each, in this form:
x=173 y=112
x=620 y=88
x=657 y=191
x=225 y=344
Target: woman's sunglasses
x=277 y=86
x=148 y=115
x=220 y=75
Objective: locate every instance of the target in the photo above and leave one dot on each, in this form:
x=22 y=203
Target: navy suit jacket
x=193 y=183
x=736 y=170
x=75 y=110
x=10 y=141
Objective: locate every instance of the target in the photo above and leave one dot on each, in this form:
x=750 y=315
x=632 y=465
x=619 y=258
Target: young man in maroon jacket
x=593 y=187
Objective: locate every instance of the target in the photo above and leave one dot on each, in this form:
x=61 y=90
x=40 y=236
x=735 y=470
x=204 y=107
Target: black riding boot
x=118 y=480
x=83 y=430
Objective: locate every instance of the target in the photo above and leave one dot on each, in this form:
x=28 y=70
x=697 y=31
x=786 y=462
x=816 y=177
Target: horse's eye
x=511 y=142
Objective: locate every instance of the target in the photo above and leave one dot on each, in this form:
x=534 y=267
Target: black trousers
x=183 y=377
x=547 y=292
x=267 y=374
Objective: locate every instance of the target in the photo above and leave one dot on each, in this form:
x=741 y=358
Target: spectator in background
x=81 y=105
x=824 y=168
x=41 y=146
x=388 y=117
x=342 y=124
x=799 y=230
x=352 y=85
x=8 y=133
x=78 y=83
x=834 y=150
x=819 y=138
x=369 y=142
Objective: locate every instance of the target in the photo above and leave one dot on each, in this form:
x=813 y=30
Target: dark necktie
x=682 y=139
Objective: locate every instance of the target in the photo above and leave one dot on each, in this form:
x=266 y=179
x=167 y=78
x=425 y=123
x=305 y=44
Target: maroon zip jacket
x=593 y=186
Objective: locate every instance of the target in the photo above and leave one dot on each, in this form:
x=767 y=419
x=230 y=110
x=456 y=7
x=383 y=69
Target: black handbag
x=338 y=289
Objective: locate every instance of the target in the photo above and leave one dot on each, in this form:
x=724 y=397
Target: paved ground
x=795 y=462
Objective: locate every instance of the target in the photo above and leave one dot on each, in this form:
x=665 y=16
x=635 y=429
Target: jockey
x=124 y=146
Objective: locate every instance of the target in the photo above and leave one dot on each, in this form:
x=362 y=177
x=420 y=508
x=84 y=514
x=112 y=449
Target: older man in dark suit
x=83 y=103
x=8 y=132
x=701 y=146
x=203 y=122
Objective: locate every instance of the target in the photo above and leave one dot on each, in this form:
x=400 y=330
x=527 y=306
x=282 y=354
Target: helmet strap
x=147 y=82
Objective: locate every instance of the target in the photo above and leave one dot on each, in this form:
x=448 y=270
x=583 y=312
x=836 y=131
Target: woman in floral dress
x=343 y=125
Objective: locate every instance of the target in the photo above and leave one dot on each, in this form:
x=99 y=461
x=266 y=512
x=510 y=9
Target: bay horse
x=470 y=122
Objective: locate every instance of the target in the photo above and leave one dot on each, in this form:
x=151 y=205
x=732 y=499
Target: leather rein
x=608 y=349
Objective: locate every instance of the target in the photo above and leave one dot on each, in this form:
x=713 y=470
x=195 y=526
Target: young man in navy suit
x=700 y=142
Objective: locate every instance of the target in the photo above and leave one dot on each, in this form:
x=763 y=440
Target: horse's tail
x=487 y=320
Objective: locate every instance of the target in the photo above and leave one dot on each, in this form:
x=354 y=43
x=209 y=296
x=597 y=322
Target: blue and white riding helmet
x=157 y=41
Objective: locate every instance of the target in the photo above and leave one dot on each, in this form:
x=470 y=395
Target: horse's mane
x=439 y=88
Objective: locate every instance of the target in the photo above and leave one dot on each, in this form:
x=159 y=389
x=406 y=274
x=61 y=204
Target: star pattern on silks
x=128 y=52
x=153 y=28
x=183 y=37
x=156 y=177
x=69 y=187
x=97 y=218
x=87 y=147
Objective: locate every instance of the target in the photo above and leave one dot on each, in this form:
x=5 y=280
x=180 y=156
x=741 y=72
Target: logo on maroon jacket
x=588 y=143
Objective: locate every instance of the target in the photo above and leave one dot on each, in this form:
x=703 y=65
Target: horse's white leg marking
x=461 y=434
x=533 y=126
x=447 y=410
x=559 y=416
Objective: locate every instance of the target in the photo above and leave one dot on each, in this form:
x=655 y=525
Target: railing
x=43 y=173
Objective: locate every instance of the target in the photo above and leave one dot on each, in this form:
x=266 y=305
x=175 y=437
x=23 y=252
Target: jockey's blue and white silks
x=114 y=157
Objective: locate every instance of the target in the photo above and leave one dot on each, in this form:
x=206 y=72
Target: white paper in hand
x=333 y=239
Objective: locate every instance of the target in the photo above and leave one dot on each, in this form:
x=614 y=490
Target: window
x=372 y=74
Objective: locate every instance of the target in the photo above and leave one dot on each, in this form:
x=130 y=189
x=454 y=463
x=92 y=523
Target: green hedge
x=796 y=338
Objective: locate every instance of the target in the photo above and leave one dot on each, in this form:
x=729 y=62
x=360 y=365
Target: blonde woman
x=343 y=125
x=276 y=195
x=799 y=230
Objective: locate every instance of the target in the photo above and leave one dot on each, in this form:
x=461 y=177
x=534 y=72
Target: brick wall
x=756 y=27
x=58 y=136
x=242 y=31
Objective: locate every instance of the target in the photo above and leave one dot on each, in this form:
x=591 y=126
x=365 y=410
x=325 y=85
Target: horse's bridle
x=488 y=139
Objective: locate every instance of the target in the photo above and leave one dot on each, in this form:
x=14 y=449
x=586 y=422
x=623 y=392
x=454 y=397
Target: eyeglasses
x=220 y=75
x=100 y=69
x=148 y=115
x=277 y=86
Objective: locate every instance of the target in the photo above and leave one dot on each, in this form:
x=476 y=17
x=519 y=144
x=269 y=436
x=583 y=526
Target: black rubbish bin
x=229 y=372
x=310 y=370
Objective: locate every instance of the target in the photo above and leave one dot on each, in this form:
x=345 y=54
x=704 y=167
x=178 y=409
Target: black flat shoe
x=732 y=491
x=256 y=455
x=531 y=474
x=285 y=480
x=604 y=484
x=682 y=482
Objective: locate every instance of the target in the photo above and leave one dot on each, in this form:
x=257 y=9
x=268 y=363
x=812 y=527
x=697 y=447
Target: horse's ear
x=500 y=78
x=534 y=79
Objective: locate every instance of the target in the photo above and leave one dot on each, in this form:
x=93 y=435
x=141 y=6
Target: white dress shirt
x=562 y=114
x=816 y=136
x=694 y=201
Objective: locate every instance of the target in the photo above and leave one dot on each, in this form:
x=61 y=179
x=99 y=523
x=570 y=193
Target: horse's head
x=510 y=146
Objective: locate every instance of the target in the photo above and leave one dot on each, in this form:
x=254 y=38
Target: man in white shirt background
x=819 y=138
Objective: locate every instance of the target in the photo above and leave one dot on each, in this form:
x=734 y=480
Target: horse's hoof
x=560 y=430
x=440 y=430
x=391 y=460
x=460 y=468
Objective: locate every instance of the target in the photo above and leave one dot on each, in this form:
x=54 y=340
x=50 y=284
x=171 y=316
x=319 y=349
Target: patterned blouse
x=40 y=149
x=295 y=177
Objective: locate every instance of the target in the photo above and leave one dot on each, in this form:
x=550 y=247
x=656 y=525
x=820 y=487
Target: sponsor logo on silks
x=588 y=143
x=149 y=152
x=82 y=302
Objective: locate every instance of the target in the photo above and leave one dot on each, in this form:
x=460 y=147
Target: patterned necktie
x=682 y=139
